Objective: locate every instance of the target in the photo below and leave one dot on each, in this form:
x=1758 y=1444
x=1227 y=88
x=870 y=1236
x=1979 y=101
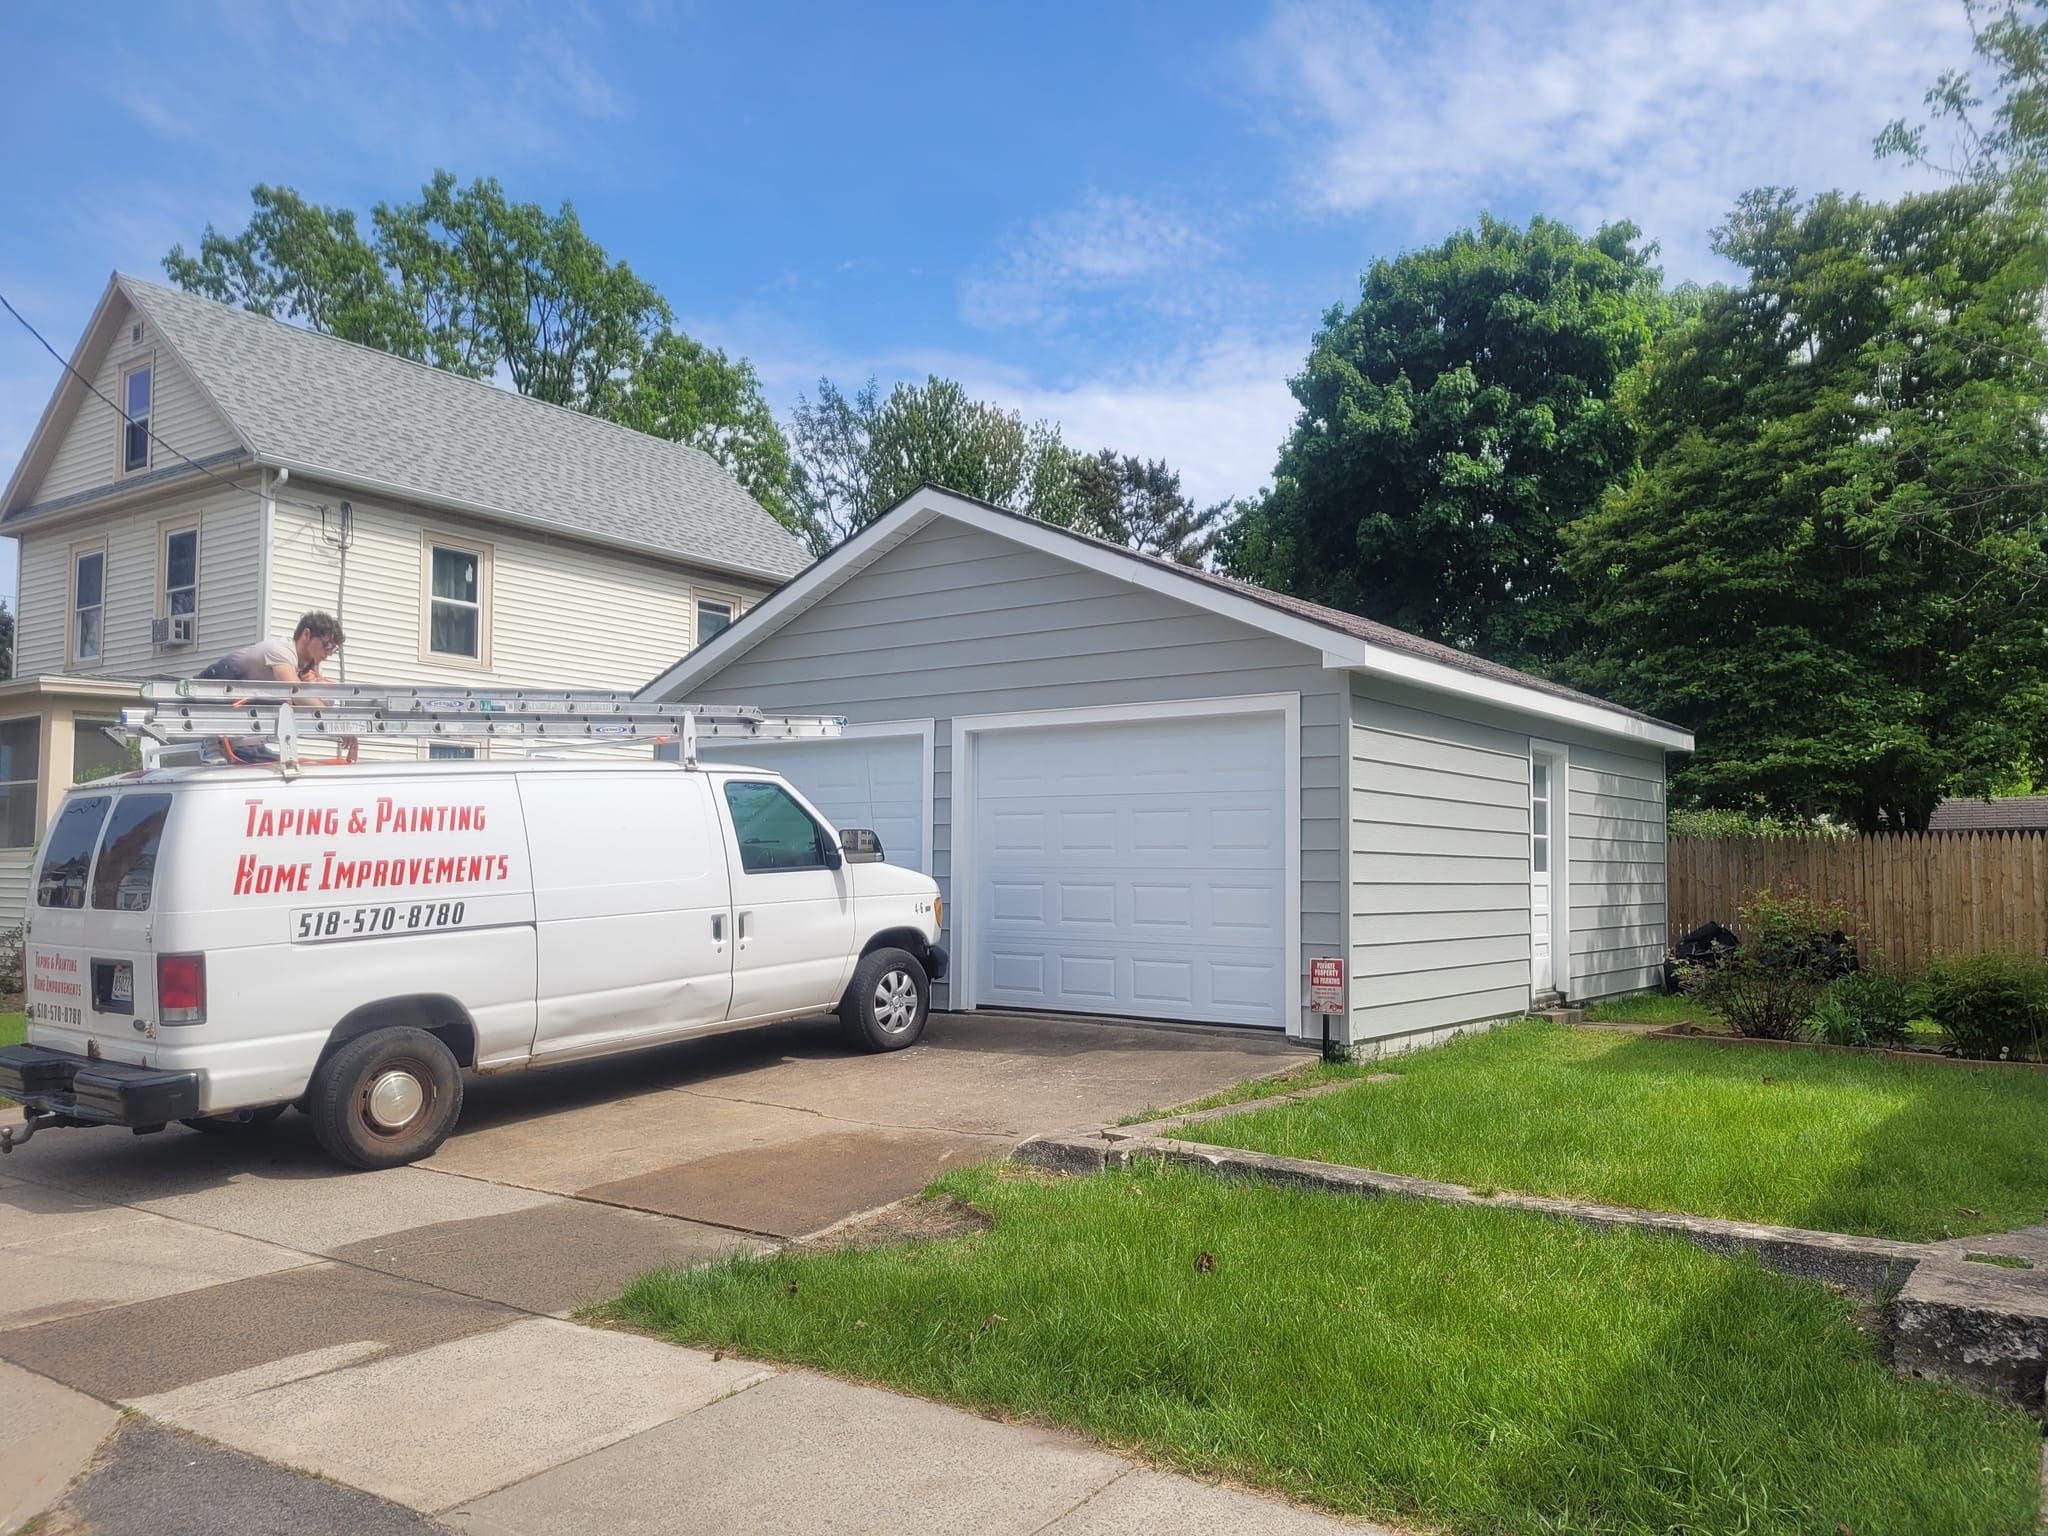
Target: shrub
x=1767 y=987
x=11 y=977
x=1862 y=1008
x=1993 y=1006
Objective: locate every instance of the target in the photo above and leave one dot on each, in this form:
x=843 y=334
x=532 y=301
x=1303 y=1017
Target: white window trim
x=485 y=559
x=78 y=551
x=122 y=467
x=1559 y=761
x=166 y=531
x=707 y=595
x=34 y=782
x=960 y=819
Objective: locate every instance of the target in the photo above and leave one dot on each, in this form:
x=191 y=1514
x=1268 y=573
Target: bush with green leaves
x=1992 y=1006
x=1767 y=988
x=1862 y=1008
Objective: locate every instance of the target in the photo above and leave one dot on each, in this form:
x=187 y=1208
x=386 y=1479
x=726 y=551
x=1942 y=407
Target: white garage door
x=875 y=782
x=1132 y=869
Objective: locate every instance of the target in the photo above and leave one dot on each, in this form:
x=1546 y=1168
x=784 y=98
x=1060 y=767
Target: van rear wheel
x=887 y=1002
x=386 y=1098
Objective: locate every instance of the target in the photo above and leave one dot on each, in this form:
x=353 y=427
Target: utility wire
x=286 y=501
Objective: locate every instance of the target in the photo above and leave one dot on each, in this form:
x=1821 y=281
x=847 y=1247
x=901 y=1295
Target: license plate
x=121 y=986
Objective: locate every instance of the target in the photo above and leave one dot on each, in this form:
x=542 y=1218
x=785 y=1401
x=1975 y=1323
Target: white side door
x=632 y=907
x=792 y=901
x=1542 y=782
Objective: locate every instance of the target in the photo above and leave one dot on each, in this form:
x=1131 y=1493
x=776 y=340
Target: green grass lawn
x=1479 y=1371
x=1651 y=1008
x=13 y=1028
x=1809 y=1139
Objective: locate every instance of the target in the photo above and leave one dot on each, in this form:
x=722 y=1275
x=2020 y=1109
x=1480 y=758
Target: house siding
x=957 y=622
x=230 y=525
x=88 y=456
x=1439 y=867
x=1618 y=872
x=562 y=613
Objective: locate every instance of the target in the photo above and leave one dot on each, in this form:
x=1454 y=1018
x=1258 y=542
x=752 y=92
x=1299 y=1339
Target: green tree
x=1452 y=421
x=1832 y=563
x=2011 y=148
x=1139 y=502
x=6 y=641
x=862 y=453
x=468 y=280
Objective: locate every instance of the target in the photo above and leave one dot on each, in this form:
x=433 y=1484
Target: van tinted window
x=69 y=856
x=122 y=879
x=775 y=833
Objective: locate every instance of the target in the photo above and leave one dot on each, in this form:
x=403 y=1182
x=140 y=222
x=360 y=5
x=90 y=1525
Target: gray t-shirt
x=256 y=663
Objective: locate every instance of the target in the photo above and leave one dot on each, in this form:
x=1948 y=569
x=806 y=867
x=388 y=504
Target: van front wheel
x=386 y=1098
x=886 y=1004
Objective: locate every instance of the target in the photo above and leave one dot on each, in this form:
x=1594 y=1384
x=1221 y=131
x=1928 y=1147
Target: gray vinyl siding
x=1617 y=871
x=957 y=622
x=1439 y=866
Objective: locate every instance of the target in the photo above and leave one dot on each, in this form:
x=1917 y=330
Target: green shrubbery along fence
x=1913 y=896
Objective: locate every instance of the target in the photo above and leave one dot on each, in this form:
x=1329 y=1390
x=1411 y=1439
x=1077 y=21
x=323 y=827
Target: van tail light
x=181 y=989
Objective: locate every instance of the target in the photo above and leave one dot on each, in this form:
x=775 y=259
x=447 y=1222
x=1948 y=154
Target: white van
x=215 y=944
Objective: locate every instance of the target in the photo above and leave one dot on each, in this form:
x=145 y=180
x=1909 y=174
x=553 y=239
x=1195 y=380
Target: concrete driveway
x=197 y=1278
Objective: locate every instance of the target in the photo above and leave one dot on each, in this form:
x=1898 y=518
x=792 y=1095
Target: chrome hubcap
x=395 y=1100
x=895 y=1002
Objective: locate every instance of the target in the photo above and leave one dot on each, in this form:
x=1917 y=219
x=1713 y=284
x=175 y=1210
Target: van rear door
x=90 y=958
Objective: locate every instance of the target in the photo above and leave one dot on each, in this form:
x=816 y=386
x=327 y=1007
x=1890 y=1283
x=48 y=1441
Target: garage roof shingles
x=329 y=406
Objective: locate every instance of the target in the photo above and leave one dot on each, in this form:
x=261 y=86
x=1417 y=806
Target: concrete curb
x=1979 y=1326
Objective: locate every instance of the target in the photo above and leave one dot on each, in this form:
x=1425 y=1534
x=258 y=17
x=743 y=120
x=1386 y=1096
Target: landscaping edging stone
x=1977 y=1325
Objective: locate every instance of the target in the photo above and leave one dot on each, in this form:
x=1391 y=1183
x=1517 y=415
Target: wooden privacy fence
x=1915 y=895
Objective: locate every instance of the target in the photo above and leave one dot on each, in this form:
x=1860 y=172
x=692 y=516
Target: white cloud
x=1101 y=244
x=1594 y=111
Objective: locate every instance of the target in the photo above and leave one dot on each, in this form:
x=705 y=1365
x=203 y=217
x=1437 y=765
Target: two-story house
x=223 y=473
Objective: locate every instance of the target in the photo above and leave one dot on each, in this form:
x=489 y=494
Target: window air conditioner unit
x=178 y=629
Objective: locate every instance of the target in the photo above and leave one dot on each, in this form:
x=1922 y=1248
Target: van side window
x=122 y=879
x=774 y=832
x=69 y=856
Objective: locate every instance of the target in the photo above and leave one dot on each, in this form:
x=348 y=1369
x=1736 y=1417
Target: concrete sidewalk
x=404 y=1333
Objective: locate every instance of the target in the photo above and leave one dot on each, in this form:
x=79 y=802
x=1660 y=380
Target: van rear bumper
x=79 y=1089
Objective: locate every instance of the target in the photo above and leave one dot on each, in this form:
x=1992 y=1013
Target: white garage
x=1149 y=791
x=1127 y=867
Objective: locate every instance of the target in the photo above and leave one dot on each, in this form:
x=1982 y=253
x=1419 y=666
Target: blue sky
x=1126 y=217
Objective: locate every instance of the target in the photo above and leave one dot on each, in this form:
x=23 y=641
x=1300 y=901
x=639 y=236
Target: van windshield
x=69 y=856
x=122 y=879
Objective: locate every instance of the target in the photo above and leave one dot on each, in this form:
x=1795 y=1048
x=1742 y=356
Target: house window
x=455 y=609
x=20 y=746
x=88 y=602
x=181 y=572
x=136 y=397
x=713 y=615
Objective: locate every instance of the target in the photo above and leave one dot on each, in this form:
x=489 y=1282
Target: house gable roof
x=349 y=415
x=2009 y=813
x=1345 y=640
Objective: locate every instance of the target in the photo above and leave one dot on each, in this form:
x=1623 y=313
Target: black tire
x=226 y=1125
x=887 y=1002
x=359 y=1091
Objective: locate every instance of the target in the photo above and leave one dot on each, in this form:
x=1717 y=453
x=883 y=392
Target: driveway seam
x=1123 y=1472
x=826 y=1114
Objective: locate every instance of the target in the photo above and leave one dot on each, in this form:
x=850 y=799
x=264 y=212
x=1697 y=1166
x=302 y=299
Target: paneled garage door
x=1132 y=869
x=875 y=782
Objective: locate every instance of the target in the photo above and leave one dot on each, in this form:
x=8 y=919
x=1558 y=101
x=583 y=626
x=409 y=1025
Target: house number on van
x=316 y=925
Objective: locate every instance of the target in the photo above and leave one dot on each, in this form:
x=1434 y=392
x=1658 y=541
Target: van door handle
x=718 y=931
x=746 y=927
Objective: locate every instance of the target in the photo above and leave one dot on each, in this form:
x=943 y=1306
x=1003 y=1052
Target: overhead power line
x=154 y=436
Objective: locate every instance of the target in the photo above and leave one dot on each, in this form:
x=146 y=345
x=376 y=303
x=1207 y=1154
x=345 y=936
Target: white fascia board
x=1439 y=678
x=787 y=601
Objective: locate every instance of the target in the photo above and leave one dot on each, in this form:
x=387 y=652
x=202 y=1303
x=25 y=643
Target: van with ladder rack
x=214 y=942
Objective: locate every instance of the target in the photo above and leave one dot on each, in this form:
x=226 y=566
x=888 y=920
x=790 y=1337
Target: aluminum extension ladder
x=191 y=712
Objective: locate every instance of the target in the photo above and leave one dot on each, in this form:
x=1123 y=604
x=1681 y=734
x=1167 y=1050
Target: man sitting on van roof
x=273 y=660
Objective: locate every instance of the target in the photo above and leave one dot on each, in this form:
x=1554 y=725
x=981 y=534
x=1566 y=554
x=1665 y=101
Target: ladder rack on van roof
x=192 y=712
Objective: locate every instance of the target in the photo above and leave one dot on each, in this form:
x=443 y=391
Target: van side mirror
x=860 y=846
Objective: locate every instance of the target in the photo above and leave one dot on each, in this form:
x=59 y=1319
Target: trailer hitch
x=12 y=1136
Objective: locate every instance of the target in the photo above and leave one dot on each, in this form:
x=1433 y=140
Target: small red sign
x=1326 y=986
